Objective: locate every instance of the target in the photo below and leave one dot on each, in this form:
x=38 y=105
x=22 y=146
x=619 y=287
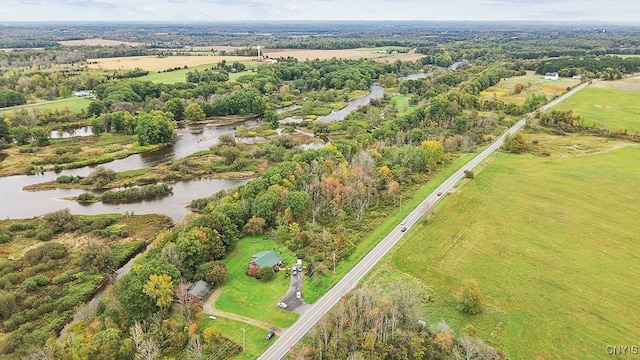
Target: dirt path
x=208 y=308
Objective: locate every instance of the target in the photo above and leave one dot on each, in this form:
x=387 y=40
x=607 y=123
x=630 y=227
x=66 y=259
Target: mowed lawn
x=75 y=104
x=606 y=108
x=255 y=342
x=533 y=84
x=553 y=244
x=247 y=296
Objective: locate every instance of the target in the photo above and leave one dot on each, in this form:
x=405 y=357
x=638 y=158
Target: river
x=16 y=203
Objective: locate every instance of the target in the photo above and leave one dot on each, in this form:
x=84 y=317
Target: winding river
x=16 y=203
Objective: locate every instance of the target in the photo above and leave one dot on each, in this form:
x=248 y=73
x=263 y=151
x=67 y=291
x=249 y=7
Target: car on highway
x=403 y=222
x=298 y=295
x=403 y=229
x=282 y=305
x=439 y=193
x=270 y=335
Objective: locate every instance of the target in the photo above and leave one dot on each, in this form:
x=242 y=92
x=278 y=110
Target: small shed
x=263 y=259
x=199 y=289
x=551 y=76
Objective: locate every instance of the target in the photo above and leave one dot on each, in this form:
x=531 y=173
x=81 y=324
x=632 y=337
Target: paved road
x=293 y=334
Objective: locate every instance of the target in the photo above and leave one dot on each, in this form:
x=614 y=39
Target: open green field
x=552 y=242
x=533 y=84
x=606 y=108
x=74 y=104
x=247 y=296
x=402 y=103
x=255 y=343
x=177 y=76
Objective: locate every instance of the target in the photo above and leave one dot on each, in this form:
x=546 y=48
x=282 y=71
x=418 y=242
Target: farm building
x=199 y=289
x=551 y=76
x=263 y=259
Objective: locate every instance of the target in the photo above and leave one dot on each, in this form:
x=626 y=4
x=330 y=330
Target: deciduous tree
x=160 y=289
x=470 y=300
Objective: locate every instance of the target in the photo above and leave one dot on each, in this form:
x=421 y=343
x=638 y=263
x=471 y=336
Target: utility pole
x=244 y=331
x=334 y=263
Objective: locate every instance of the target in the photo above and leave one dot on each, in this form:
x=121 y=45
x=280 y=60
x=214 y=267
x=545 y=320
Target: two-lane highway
x=293 y=334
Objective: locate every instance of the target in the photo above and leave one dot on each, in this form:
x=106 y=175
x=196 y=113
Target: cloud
x=33 y=2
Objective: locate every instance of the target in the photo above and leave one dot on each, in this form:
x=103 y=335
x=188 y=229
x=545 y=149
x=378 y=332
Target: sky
x=310 y=10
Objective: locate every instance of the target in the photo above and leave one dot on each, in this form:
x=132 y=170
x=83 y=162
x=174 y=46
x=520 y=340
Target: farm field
x=369 y=53
x=550 y=241
x=533 y=84
x=73 y=103
x=247 y=296
x=607 y=106
x=155 y=63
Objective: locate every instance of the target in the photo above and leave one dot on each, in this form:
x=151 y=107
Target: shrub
x=99 y=177
x=44 y=234
x=87 y=197
x=266 y=273
x=63 y=278
x=469 y=174
x=50 y=250
x=61 y=220
x=14 y=277
x=68 y=179
x=137 y=193
x=7 y=304
x=21 y=226
x=5 y=236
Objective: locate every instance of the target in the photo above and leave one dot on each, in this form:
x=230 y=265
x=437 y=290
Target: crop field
x=155 y=63
x=533 y=84
x=552 y=242
x=73 y=103
x=607 y=106
x=247 y=296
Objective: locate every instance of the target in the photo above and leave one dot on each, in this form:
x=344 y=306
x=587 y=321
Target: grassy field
x=606 y=108
x=402 y=103
x=73 y=103
x=177 y=76
x=552 y=243
x=248 y=296
x=255 y=342
x=533 y=84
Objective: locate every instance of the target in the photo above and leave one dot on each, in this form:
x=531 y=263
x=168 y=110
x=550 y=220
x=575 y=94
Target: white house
x=551 y=76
